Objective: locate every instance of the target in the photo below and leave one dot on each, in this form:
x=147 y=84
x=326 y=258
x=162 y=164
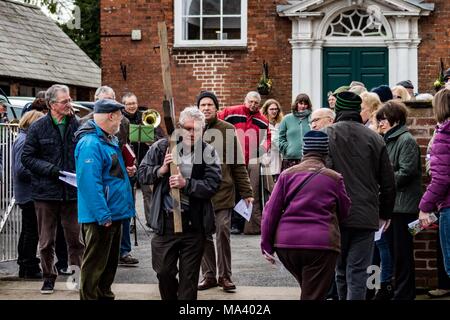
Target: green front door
x=341 y=66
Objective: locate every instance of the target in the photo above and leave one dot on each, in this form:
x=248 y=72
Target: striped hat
x=315 y=141
x=347 y=101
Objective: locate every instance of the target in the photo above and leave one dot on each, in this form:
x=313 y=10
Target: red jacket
x=252 y=130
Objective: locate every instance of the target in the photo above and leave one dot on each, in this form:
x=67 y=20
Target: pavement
x=254 y=277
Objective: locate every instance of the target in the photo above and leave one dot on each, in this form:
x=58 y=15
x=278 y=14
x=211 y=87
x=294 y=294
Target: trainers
x=438 y=293
x=128 y=259
x=66 y=272
x=47 y=287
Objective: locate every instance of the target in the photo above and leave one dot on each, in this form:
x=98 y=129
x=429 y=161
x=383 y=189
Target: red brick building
x=310 y=46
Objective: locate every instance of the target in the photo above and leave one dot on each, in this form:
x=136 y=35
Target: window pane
x=211 y=7
x=231 y=6
x=191 y=30
x=211 y=28
x=191 y=7
x=231 y=28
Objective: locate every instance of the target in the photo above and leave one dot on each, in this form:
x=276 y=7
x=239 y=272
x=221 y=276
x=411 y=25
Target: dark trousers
x=403 y=253
x=351 y=269
x=28 y=240
x=223 y=222
x=313 y=269
x=47 y=213
x=61 y=248
x=184 y=249
x=100 y=260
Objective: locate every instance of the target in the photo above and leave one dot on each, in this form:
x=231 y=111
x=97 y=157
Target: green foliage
x=88 y=36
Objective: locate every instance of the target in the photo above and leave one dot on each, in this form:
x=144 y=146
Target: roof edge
x=23 y=4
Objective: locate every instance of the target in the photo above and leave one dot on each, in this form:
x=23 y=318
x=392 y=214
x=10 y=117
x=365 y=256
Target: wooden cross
x=169 y=120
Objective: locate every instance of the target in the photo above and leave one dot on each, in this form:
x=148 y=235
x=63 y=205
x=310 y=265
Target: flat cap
x=107 y=106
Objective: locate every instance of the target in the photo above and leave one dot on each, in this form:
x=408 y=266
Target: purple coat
x=437 y=195
x=311 y=219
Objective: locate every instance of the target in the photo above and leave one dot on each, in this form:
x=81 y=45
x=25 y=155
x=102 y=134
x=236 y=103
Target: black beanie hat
x=347 y=100
x=384 y=92
x=207 y=94
x=315 y=141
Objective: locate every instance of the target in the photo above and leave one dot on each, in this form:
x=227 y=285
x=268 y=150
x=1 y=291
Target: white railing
x=10 y=213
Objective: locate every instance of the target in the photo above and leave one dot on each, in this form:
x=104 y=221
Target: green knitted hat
x=347 y=101
x=340 y=89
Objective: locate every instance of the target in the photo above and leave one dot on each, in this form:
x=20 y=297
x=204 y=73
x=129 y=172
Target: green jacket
x=219 y=134
x=404 y=154
x=290 y=136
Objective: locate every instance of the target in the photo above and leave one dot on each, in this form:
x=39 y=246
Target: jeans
x=125 y=242
x=444 y=234
x=386 y=257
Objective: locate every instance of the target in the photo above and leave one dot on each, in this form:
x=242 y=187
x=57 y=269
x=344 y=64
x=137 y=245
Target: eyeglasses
x=382 y=120
x=65 y=102
x=317 y=119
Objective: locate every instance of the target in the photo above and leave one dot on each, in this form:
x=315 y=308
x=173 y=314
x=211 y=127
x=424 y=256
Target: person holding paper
x=222 y=136
x=437 y=196
x=302 y=227
x=104 y=198
x=404 y=154
x=198 y=179
x=48 y=150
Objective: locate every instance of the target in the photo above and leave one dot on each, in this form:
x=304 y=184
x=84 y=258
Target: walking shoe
x=66 y=272
x=128 y=260
x=226 y=284
x=386 y=292
x=47 y=287
x=438 y=293
x=207 y=283
x=235 y=230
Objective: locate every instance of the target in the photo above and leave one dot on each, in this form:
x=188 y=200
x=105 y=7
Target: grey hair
x=253 y=94
x=128 y=95
x=52 y=92
x=192 y=113
x=106 y=91
x=330 y=112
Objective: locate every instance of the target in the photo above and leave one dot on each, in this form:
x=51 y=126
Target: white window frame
x=178 y=27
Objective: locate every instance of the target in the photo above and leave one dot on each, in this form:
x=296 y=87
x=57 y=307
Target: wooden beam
x=169 y=118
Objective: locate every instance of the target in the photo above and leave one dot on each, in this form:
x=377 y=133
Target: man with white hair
x=198 y=179
x=322 y=118
x=100 y=167
x=49 y=150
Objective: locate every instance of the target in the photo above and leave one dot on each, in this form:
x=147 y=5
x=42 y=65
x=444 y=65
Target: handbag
x=301 y=186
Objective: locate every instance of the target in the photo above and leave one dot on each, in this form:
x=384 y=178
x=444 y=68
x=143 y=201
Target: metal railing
x=10 y=213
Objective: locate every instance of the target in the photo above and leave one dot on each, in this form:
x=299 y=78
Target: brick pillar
x=421 y=125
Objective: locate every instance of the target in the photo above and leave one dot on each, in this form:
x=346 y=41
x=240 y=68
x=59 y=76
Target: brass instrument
x=151 y=117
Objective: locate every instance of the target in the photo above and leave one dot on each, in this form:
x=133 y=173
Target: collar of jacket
x=211 y=124
x=314 y=156
x=348 y=115
x=395 y=132
x=108 y=138
x=444 y=127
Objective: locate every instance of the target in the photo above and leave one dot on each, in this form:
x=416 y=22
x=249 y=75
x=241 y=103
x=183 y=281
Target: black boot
x=386 y=292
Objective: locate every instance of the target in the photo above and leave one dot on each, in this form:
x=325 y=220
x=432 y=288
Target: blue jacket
x=104 y=191
x=21 y=175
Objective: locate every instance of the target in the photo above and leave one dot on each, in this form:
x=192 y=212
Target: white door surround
x=317 y=24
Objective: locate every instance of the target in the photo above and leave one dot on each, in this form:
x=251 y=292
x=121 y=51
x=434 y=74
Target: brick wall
x=422 y=124
x=230 y=73
x=435 y=34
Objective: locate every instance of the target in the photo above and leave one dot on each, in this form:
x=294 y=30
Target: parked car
x=18 y=103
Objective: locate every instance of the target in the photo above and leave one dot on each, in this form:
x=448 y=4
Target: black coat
x=44 y=152
x=360 y=155
x=201 y=187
